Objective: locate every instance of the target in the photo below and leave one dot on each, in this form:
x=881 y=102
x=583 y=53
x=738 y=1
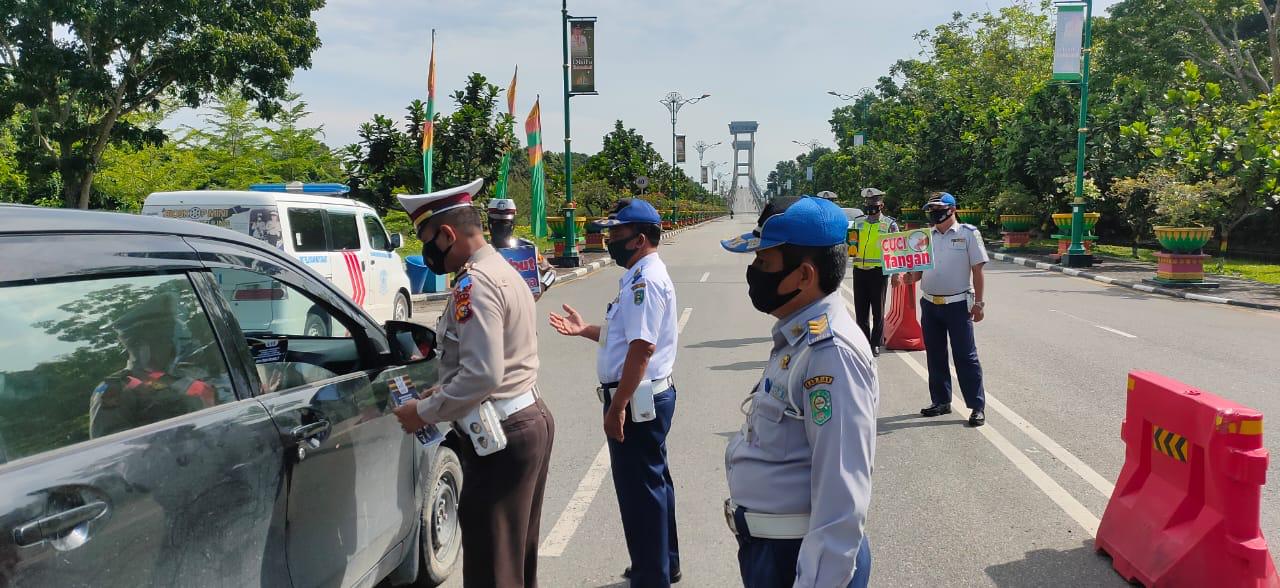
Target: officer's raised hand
x=572 y=325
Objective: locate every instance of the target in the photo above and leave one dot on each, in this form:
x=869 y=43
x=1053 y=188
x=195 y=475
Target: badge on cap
x=421 y=207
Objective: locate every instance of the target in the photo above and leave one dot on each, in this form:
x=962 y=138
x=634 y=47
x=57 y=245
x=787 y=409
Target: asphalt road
x=1015 y=503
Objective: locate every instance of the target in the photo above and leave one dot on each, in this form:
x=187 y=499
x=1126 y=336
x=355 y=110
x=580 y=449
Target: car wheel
x=400 y=311
x=316 y=326
x=441 y=537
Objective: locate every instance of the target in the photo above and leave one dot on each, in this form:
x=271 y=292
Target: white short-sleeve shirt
x=645 y=309
x=955 y=252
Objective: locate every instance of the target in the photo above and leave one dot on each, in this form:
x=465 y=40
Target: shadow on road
x=742 y=366
x=730 y=343
x=886 y=425
x=1044 y=567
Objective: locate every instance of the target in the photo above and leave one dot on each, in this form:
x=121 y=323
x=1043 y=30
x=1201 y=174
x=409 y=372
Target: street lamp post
x=570 y=256
x=847 y=97
x=812 y=145
x=701 y=147
x=1076 y=255
x=674 y=102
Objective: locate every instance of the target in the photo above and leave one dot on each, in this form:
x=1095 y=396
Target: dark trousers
x=501 y=503
x=937 y=324
x=646 y=496
x=771 y=563
x=869 y=287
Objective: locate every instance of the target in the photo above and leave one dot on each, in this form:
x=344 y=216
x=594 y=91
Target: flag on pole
x=538 y=188
x=428 y=127
x=500 y=190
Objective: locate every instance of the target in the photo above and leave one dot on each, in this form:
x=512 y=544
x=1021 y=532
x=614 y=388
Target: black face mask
x=618 y=251
x=938 y=216
x=872 y=209
x=762 y=287
x=434 y=256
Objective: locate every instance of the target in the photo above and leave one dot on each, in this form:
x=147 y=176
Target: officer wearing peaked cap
x=951 y=302
x=869 y=282
x=488 y=371
x=800 y=469
x=502 y=226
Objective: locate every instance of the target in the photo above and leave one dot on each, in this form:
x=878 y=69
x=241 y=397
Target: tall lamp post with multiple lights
x=674 y=102
x=812 y=145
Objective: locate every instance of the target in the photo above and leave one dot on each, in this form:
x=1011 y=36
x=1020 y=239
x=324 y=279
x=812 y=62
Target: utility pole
x=674 y=102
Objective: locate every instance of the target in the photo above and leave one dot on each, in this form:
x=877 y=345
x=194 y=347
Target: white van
x=342 y=239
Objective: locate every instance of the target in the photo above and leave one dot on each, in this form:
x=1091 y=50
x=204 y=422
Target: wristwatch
x=980 y=304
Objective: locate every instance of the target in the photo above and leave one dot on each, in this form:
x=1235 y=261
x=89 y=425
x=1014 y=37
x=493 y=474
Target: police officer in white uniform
x=800 y=470
x=634 y=366
x=951 y=301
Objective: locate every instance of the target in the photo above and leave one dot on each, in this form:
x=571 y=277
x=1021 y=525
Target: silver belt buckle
x=601 y=394
x=728 y=516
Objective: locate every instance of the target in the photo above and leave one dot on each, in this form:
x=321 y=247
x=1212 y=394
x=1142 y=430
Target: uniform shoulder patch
x=820 y=406
x=819 y=329
x=817 y=380
x=637 y=294
x=462 y=300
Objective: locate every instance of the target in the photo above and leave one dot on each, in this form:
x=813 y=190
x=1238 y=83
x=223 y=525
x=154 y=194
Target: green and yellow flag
x=428 y=127
x=538 y=187
x=500 y=190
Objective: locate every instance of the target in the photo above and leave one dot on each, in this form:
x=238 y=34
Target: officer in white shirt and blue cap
x=800 y=469
x=634 y=365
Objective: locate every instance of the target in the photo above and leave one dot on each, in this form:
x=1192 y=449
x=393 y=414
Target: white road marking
x=1059 y=495
x=576 y=510
x=684 y=319
x=1118 y=332
x=1089 y=322
x=705 y=275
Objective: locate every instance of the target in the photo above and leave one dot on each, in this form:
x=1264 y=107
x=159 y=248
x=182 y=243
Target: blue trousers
x=951 y=321
x=646 y=496
x=771 y=563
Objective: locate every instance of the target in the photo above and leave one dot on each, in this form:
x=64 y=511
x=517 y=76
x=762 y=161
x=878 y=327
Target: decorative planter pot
x=667 y=225
x=1063 y=221
x=1064 y=244
x=595 y=243
x=1017 y=223
x=1014 y=239
x=971 y=216
x=1183 y=239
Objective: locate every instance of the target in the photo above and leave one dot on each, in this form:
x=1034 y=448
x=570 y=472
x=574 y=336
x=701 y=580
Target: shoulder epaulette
x=819 y=329
x=969 y=226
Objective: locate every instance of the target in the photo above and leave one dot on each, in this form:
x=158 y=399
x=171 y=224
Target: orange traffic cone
x=901 y=327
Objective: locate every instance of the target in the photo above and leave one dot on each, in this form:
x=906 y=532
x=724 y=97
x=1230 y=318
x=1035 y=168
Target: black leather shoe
x=875 y=351
x=936 y=410
x=675 y=576
x=977 y=418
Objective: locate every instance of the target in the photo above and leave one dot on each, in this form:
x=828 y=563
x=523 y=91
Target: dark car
x=146 y=439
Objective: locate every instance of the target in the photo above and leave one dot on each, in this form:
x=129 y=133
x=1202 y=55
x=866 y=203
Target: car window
x=306 y=225
x=293 y=339
x=342 y=228
x=378 y=240
x=90 y=358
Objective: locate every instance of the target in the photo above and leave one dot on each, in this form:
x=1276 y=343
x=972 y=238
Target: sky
x=770 y=61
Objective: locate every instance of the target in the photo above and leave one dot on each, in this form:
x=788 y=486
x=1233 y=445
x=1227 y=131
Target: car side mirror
x=396 y=241
x=410 y=342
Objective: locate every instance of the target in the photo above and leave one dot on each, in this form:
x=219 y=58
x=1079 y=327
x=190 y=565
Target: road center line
x=576 y=509
x=684 y=319
x=1089 y=322
x=1059 y=495
x=705 y=275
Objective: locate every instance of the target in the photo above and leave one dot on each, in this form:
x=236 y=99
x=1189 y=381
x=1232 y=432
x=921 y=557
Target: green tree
x=77 y=69
x=624 y=156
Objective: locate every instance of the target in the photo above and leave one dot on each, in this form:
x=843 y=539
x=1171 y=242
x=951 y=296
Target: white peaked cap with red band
x=421 y=207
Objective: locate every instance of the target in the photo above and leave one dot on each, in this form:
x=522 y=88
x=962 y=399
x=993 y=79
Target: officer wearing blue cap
x=634 y=366
x=800 y=469
x=951 y=301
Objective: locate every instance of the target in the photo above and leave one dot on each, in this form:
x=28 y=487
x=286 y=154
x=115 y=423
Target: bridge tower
x=744 y=161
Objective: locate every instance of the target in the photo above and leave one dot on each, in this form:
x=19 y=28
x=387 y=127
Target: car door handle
x=362 y=268
x=312 y=432
x=57 y=524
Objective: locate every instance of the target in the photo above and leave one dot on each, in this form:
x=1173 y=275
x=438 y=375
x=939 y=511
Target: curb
x=1040 y=265
x=576 y=274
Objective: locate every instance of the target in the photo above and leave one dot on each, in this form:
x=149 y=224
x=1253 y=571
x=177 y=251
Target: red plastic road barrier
x=1186 y=506
x=901 y=327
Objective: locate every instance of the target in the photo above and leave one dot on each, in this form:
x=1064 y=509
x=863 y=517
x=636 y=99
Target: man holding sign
x=951 y=302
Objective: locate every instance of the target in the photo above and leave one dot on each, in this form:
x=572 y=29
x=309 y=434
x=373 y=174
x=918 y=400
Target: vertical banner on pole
x=859 y=140
x=715 y=186
x=808 y=174
x=704 y=174
x=537 y=186
x=428 y=126
x=1068 y=42
x=582 y=55
x=679 y=148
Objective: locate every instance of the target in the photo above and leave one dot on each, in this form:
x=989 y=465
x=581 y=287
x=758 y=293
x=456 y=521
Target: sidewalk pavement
x=1130 y=273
